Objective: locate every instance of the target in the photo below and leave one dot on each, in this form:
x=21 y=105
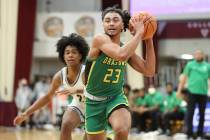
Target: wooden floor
x=34 y=134
x=13 y=133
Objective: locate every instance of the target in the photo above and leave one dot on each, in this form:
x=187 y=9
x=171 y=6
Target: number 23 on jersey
x=112 y=76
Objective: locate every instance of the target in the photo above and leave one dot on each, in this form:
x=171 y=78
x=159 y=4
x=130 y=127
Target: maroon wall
x=25 y=38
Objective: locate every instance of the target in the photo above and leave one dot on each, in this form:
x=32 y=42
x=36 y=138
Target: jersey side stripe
x=91 y=69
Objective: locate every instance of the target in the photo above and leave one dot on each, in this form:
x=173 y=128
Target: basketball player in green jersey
x=72 y=52
x=105 y=100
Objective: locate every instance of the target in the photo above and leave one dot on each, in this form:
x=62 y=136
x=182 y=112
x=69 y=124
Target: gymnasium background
x=29 y=30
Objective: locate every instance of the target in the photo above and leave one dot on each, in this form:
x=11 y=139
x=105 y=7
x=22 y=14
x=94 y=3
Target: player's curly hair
x=74 y=40
x=123 y=13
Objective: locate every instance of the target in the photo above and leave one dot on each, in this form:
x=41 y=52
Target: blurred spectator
x=146 y=107
x=154 y=104
x=23 y=96
x=42 y=86
x=41 y=118
x=40 y=89
x=174 y=109
x=196 y=74
x=138 y=110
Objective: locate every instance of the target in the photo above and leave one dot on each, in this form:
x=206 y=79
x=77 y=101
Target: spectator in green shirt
x=154 y=106
x=196 y=74
x=174 y=108
x=138 y=109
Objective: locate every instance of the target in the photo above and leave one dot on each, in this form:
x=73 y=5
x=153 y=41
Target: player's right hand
x=137 y=25
x=20 y=118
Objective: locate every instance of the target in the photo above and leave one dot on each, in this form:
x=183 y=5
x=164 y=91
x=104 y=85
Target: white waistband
x=94 y=98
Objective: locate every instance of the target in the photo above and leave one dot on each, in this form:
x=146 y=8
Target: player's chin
x=72 y=63
x=111 y=33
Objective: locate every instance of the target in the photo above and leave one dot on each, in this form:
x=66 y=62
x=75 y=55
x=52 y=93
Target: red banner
x=184 y=29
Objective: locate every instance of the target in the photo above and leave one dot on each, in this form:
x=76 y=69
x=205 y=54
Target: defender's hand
x=19 y=119
x=66 y=91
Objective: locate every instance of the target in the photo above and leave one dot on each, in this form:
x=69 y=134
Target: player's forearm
x=77 y=90
x=150 y=62
x=129 y=48
x=38 y=104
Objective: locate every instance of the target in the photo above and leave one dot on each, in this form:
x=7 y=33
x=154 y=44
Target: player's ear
x=80 y=57
x=122 y=28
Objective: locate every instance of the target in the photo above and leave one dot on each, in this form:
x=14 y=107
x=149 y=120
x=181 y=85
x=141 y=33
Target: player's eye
x=107 y=20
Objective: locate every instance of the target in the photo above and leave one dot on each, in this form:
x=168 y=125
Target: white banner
x=51 y=26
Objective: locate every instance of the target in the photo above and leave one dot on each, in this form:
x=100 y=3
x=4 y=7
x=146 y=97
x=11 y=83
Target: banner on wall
x=184 y=29
x=51 y=26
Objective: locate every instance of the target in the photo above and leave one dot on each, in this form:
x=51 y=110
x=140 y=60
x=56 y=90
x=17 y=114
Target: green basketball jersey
x=106 y=76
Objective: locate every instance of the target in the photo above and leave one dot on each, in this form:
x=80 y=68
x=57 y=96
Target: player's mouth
x=70 y=60
x=112 y=30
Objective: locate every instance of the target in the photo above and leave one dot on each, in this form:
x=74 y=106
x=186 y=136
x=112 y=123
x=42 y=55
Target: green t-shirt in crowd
x=198 y=75
x=171 y=103
x=140 y=101
x=154 y=99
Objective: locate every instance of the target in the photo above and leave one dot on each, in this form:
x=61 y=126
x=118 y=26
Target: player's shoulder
x=62 y=70
x=101 y=38
x=58 y=74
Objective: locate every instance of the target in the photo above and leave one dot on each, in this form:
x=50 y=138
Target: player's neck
x=116 y=39
x=73 y=73
x=74 y=69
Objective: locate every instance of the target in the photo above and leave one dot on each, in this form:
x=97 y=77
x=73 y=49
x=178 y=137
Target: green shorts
x=97 y=113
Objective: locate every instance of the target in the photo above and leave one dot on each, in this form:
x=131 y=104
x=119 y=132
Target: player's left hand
x=66 y=91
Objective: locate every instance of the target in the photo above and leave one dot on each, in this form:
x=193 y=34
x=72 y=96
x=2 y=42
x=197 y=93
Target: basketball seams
x=150 y=22
x=153 y=27
x=146 y=20
x=145 y=30
x=148 y=30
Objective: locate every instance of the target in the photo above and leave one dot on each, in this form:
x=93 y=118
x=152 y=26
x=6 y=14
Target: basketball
x=150 y=24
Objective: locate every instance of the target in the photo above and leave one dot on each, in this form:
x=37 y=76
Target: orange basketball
x=150 y=24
